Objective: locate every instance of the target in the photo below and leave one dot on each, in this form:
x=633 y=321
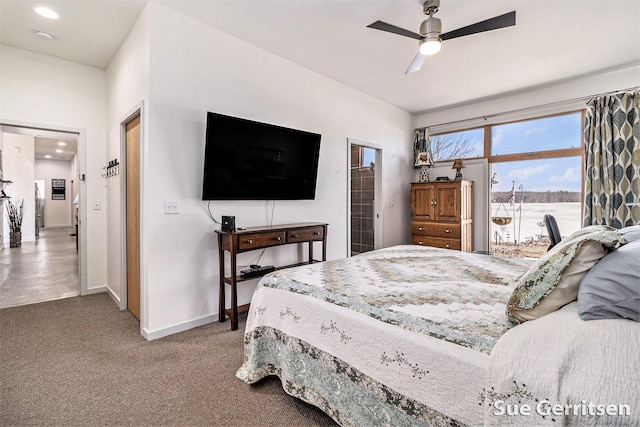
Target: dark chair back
x=552 y=229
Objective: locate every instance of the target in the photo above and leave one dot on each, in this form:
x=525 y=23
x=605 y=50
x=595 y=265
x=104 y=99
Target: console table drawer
x=305 y=235
x=262 y=240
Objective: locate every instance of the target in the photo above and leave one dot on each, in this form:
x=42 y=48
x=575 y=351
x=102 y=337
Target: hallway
x=44 y=270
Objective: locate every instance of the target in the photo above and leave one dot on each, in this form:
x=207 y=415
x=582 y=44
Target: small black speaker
x=228 y=223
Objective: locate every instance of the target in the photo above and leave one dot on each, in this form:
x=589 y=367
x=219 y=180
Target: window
x=367 y=157
x=545 y=134
x=522 y=192
x=465 y=144
x=536 y=169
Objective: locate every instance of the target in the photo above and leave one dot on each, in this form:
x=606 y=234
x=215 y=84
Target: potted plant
x=15 y=211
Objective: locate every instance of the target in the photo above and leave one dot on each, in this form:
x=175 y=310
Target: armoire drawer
x=437 y=242
x=435 y=229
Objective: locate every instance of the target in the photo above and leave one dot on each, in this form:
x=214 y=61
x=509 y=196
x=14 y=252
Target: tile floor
x=43 y=270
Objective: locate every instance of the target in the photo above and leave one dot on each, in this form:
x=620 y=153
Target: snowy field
x=524 y=222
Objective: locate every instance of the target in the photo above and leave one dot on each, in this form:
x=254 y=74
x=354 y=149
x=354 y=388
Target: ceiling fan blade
x=502 y=21
x=383 y=26
x=416 y=64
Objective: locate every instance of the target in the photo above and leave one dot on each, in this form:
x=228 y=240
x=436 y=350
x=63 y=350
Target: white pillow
x=553 y=281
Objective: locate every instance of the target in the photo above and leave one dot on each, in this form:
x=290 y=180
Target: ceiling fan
x=431 y=36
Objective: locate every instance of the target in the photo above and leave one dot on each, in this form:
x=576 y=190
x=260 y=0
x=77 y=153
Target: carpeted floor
x=82 y=362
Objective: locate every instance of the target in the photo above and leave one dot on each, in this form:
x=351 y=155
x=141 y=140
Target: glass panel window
x=549 y=133
x=368 y=158
x=522 y=192
x=454 y=145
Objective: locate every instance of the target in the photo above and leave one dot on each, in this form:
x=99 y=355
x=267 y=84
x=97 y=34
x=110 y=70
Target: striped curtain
x=612 y=153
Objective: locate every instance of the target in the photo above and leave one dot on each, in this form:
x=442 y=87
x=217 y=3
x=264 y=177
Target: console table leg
x=234 y=296
x=221 y=295
x=234 y=308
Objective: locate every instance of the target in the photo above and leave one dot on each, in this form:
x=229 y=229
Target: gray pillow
x=611 y=289
x=631 y=233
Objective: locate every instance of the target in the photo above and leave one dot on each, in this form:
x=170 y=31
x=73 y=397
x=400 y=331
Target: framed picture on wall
x=58 y=189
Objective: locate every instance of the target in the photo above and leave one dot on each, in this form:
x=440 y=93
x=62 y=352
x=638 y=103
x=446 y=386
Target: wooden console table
x=253 y=238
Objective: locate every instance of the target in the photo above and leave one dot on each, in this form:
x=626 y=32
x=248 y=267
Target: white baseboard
x=97 y=290
x=159 y=333
x=115 y=298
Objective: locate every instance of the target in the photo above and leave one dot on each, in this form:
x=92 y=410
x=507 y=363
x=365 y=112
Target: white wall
x=58 y=94
x=128 y=87
x=554 y=98
x=17 y=165
x=193 y=69
x=57 y=213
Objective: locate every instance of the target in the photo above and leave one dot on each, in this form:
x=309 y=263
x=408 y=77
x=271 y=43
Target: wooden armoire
x=442 y=214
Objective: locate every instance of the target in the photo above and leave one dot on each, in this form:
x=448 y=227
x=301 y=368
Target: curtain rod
x=550 y=104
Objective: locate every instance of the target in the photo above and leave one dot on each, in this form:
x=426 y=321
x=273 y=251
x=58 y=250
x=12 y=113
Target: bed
x=413 y=335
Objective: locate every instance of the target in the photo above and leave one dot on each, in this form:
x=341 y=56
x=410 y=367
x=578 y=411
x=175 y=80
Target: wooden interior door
x=132 y=142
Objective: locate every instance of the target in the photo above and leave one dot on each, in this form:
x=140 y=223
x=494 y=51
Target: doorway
x=46 y=266
x=132 y=212
x=364 y=181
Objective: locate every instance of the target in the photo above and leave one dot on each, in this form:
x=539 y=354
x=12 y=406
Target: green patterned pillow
x=553 y=281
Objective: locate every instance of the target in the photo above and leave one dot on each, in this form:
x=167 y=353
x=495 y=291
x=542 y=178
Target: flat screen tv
x=248 y=160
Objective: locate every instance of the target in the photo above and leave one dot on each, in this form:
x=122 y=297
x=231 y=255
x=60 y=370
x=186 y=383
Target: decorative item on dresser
x=442 y=214
x=457 y=165
x=424 y=161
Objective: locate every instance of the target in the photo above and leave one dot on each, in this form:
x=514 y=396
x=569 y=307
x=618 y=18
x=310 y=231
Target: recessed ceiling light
x=46 y=156
x=43 y=35
x=62 y=144
x=58 y=151
x=46 y=12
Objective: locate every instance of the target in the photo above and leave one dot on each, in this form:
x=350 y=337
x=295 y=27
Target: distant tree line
x=538 y=196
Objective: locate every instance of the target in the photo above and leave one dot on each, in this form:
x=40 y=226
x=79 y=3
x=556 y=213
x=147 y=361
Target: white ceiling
x=553 y=40
x=57 y=145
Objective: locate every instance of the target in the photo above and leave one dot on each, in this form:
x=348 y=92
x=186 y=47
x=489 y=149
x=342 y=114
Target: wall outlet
x=171 y=207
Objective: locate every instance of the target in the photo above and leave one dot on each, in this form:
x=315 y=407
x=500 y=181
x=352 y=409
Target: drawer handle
x=447 y=246
x=295 y=236
x=316 y=233
x=420 y=229
x=447 y=230
x=420 y=243
x=278 y=238
x=249 y=241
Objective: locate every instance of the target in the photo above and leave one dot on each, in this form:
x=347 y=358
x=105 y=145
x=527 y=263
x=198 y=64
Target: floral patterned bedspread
x=451 y=295
x=398 y=336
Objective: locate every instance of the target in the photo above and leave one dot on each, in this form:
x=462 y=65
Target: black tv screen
x=248 y=160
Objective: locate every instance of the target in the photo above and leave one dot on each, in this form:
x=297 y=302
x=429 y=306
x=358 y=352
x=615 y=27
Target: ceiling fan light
x=46 y=12
x=430 y=47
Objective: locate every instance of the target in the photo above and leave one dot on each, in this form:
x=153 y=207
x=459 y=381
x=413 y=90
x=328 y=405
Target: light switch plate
x=97 y=205
x=171 y=207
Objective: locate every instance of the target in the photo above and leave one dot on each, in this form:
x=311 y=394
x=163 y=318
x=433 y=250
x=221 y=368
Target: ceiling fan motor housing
x=431 y=28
